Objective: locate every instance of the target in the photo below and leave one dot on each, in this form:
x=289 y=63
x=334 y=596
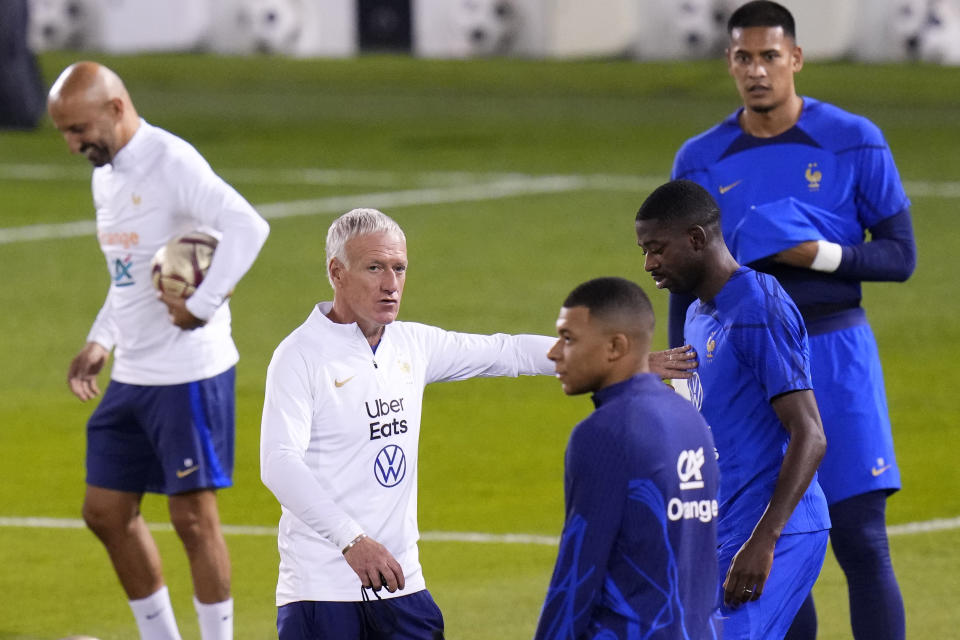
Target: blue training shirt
x=637 y=557
x=751 y=347
x=829 y=177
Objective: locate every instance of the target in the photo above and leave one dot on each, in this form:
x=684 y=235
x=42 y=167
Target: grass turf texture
x=491 y=449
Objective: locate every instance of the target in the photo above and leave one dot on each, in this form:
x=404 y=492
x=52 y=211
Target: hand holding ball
x=179 y=267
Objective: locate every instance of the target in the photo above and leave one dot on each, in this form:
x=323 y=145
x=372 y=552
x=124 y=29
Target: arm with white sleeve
x=459 y=356
x=86 y=365
x=284 y=438
x=216 y=204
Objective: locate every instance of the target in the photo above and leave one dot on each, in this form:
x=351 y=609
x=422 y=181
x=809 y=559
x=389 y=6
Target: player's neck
x=372 y=331
x=767 y=124
x=722 y=266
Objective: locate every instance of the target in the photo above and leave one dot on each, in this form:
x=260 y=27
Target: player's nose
x=73 y=142
x=554 y=353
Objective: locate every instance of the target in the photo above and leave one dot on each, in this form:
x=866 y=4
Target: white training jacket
x=156 y=188
x=340 y=435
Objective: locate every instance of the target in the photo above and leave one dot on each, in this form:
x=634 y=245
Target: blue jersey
x=829 y=177
x=637 y=556
x=751 y=347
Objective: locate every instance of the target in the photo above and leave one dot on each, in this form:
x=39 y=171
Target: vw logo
x=390 y=466
x=696 y=390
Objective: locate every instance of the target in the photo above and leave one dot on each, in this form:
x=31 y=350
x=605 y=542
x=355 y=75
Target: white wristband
x=828 y=256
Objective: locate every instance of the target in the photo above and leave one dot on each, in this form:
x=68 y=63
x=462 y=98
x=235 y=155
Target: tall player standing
x=166 y=421
x=800 y=183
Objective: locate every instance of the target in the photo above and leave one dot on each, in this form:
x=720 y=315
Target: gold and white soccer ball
x=179 y=266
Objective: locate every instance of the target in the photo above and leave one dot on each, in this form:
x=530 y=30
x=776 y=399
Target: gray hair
x=357 y=222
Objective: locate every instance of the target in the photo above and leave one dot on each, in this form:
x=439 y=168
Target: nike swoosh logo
x=183 y=473
x=340 y=383
x=877 y=472
x=725 y=188
x=151 y=616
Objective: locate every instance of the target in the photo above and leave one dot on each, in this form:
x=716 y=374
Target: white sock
x=216 y=619
x=154 y=615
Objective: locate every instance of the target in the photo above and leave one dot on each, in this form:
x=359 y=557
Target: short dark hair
x=680 y=201
x=762 y=13
x=611 y=297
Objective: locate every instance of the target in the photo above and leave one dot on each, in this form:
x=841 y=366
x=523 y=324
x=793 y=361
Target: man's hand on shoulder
x=178 y=312
x=375 y=566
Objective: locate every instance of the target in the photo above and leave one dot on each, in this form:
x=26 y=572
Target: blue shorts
x=848 y=384
x=163 y=439
x=412 y=617
x=797 y=560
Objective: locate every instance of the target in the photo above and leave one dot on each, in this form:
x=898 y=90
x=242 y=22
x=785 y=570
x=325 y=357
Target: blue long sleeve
x=890 y=255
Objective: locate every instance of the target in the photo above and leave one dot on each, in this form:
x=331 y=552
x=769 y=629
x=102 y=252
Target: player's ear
x=697 y=236
x=335 y=269
x=618 y=346
x=115 y=107
x=797 y=58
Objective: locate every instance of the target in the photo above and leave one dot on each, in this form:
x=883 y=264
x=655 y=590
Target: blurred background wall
x=867 y=30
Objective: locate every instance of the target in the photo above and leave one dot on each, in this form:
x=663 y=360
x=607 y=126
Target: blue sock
x=804 y=626
x=859 y=541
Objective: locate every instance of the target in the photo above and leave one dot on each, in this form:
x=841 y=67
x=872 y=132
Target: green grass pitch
x=491 y=449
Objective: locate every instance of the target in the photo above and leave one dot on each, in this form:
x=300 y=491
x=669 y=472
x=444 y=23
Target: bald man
x=166 y=421
x=638 y=551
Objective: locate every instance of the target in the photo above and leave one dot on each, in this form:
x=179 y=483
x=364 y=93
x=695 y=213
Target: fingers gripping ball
x=180 y=266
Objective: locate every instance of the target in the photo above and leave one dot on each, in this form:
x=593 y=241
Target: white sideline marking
x=439 y=187
x=505 y=188
x=341 y=177
x=907 y=528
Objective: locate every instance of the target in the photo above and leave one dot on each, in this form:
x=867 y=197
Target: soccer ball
x=272 y=26
x=179 y=266
x=489 y=26
x=58 y=24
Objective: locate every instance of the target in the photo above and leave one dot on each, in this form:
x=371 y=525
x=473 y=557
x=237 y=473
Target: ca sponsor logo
x=390 y=467
x=121 y=272
x=688 y=468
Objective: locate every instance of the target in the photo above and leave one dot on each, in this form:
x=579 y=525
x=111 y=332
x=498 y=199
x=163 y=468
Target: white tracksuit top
x=340 y=436
x=156 y=188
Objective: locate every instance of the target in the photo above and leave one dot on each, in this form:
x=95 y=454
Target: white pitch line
x=907 y=528
x=361 y=177
x=506 y=188
x=302 y=176
x=454 y=187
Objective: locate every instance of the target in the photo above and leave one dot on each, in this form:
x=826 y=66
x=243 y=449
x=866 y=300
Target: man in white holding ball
x=166 y=421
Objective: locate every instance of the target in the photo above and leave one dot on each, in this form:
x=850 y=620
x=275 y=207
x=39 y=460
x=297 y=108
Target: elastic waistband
x=836 y=321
